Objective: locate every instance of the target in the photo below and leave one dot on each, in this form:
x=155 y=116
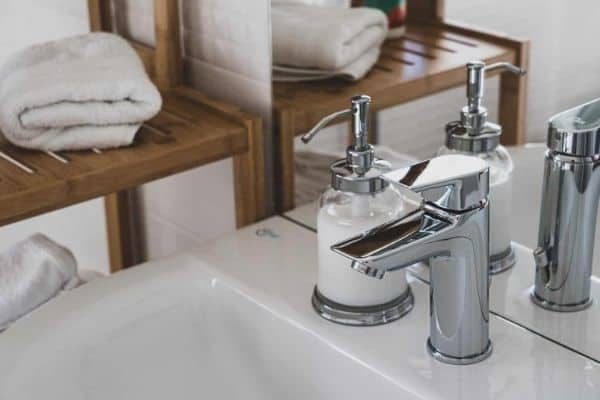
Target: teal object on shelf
x=394 y=9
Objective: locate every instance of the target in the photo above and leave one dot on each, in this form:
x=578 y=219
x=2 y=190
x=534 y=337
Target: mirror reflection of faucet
x=570 y=194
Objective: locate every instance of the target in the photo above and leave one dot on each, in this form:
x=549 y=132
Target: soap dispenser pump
x=357 y=200
x=473 y=134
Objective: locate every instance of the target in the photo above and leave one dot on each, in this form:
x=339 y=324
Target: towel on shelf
x=326 y=40
x=352 y=72
x=78 y=93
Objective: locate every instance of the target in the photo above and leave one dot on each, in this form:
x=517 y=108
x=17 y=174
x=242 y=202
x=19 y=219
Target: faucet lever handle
x=453 y=182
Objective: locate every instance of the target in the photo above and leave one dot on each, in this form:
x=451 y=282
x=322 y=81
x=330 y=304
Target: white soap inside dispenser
x=357 y=200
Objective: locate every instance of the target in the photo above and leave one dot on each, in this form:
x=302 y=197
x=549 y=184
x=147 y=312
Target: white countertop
x=277 y=271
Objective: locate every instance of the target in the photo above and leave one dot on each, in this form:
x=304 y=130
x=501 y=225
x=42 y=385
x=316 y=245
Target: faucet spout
x=455 y=242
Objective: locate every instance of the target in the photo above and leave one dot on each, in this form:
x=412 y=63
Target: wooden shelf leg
x=249 y=178
x=284 y=166
x=124 y=239
x=513 y=101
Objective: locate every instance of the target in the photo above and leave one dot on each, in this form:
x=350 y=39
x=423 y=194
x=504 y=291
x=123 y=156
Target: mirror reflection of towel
x=327 y=40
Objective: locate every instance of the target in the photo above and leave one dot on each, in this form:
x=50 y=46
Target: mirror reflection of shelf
x=429 y=58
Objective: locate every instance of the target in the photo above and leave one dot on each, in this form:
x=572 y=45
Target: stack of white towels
x=78 y=93
x=319 y=42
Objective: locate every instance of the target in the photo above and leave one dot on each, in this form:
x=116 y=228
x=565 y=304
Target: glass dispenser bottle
x=358 y=199
x=476 y=136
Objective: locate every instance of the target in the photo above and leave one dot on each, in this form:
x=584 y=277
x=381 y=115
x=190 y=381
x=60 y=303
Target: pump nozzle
x=473 y=133
x=476 y=79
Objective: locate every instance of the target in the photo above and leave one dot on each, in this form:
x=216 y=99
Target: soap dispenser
x=357 y=200
x=473 y=134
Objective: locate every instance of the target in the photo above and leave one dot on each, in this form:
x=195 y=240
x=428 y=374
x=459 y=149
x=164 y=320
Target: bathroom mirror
x=418 y=87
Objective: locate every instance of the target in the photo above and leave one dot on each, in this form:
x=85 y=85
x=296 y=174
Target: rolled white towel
x=82 y=92
x=326 y=38
x=32 y=272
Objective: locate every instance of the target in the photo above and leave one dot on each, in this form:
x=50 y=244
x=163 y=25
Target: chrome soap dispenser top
x=358 y=199
x=474 y=135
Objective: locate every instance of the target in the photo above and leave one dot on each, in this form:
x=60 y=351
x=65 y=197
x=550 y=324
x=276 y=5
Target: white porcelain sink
x=233 y=320
x=172 y=330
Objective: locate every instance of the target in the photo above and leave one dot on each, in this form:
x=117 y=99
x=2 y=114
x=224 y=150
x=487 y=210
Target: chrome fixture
x=474 y=133
x=568 y=214
x=449 y=228
x=360 y=173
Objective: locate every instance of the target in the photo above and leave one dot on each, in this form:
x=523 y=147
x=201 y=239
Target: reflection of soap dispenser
x=358 y=199
x=474 y=135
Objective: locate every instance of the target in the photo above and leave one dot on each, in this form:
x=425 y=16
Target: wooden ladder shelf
x=191 y=130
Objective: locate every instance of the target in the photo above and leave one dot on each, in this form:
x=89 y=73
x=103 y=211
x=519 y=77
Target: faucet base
x=548 y=305
x=362 y=316
x=433 y=352
x=502 y=261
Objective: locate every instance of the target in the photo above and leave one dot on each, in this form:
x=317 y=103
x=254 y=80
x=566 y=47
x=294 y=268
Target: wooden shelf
x=190 y=131
x=431 y=57
x=426 y=60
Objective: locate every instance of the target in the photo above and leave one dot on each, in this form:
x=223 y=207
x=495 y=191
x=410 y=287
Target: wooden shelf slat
x=185 y=134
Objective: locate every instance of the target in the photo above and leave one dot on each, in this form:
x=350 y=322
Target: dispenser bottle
x=357 y=200
x=476 y=136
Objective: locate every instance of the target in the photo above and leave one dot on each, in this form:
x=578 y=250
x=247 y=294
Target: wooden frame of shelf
x=430 y=58
x=191 y=130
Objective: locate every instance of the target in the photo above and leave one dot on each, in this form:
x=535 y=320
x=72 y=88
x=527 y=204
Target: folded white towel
x=326 y=38
x=354 y=71
x=75 y=93
x=32 y=272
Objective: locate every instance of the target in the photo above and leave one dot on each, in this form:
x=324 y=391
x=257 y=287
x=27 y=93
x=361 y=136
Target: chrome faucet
x=449 y=228
x=568 y=214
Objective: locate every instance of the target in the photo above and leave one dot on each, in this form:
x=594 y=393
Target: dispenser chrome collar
x=450 y=228
x=360 y=171
x=473 y=133
x=570 y=194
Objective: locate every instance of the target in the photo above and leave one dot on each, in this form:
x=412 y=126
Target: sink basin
x=173 y=330
x=232 y=319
